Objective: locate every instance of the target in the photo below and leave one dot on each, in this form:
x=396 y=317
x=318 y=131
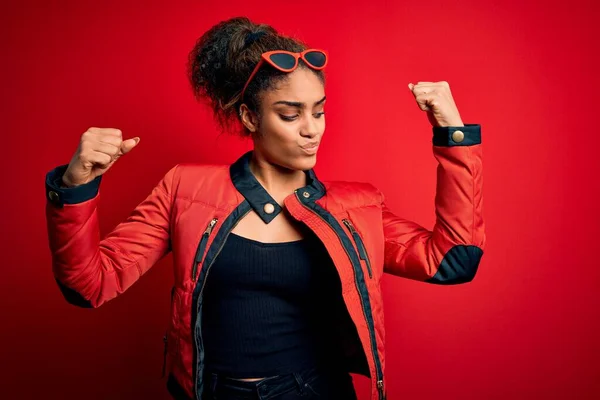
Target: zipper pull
x=362 y=252
x=205 y=236
x=200 y=250
x=349 y=225
x=210 y=226
x=380 y=388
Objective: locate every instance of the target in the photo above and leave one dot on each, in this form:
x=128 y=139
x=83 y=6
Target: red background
x=526 y=327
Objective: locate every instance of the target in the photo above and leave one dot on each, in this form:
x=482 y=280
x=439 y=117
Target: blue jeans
x=308 y=384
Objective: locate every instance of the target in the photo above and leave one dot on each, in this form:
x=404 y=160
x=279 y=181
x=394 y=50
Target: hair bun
x=224 y=57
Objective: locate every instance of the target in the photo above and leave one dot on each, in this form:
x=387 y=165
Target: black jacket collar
x=245 y=182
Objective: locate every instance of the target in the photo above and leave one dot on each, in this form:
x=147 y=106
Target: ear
x=248 y=118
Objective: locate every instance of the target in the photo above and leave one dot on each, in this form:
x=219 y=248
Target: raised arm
x=90 y=270
x=451 y=252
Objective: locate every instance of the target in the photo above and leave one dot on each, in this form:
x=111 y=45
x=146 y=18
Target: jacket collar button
x=269 y=208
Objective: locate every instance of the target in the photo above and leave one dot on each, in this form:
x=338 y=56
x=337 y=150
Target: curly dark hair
x=222 y=60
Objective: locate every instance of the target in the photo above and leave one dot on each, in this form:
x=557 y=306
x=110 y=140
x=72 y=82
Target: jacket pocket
x=362 y=250
x=202 y=246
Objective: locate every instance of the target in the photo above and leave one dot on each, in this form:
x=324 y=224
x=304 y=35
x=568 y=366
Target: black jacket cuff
x=60 y=195
x=467 y=135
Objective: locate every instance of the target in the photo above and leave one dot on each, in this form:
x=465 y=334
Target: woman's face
x=292 y=121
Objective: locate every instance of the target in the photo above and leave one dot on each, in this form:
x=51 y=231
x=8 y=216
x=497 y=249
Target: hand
x=98 y=150
x=436 y=99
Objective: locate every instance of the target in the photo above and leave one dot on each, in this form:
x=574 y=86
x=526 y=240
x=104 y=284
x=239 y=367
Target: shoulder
x=183 y=172
x=188 y=179
x=201 y=169
x=348 y=194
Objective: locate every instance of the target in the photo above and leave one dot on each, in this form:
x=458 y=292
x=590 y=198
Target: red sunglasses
x=287 y=61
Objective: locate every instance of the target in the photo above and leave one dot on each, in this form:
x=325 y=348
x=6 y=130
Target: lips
x=310 y=146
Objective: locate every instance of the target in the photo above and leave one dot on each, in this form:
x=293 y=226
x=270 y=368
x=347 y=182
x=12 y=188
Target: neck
x=276 y=180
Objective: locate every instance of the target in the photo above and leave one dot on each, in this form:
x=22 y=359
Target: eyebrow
x=299 y=104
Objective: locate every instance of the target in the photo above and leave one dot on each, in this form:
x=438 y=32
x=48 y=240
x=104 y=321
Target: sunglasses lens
x=316 y=58
x=282 y=60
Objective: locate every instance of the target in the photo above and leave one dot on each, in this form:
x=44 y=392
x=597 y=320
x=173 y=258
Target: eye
x=319 y=114
x=288 y=117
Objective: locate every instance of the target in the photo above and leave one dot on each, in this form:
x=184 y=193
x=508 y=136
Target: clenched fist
x=436 y=99
x=98 y=150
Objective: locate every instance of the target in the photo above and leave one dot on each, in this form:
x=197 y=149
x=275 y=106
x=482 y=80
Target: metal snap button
x=53 y=196
x=306 y=195
x=269 y=208
x=458 y=136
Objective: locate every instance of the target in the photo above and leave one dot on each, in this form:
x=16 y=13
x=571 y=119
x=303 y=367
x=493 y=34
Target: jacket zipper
x=379 y=382
x=201 y=246
x=206 y=276
x=360 y=245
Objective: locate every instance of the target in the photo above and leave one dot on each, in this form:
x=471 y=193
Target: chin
x=305 y=162
x=297 y=162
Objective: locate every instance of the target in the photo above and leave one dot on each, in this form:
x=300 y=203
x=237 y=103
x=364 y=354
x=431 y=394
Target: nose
x=313 y=127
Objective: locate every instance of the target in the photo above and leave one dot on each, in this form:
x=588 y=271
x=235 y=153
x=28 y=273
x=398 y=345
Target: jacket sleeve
x=90 y=271
x=451 y=252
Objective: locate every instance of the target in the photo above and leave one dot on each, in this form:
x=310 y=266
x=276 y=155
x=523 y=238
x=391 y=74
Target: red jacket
x=194 y=207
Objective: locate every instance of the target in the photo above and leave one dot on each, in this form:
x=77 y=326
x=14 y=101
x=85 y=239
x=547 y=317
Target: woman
x=293 y=303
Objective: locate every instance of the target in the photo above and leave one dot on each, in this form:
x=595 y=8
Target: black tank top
x=272 y=308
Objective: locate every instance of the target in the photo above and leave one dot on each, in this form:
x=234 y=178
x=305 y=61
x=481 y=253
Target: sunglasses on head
x=287 y=61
